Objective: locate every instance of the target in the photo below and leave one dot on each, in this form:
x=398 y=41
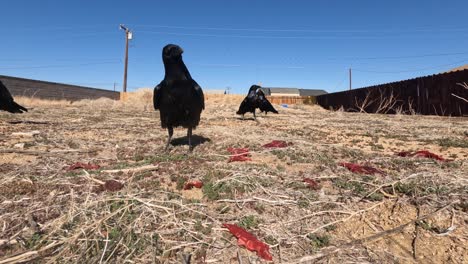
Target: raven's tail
x=16 y=108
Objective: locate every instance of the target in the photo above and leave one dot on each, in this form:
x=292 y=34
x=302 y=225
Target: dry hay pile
x=415 y=212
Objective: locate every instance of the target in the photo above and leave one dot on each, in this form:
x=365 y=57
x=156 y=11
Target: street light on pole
x=128 y=36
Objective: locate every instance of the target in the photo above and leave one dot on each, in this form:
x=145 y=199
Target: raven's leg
x=189 y=135
x=242 y=117
x=255 y=117
x=170 y=130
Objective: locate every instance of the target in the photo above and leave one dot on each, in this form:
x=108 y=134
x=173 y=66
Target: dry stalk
x=464 y=85
x=134 y=170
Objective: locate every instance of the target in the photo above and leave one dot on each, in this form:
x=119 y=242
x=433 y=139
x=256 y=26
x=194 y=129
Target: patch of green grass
x=223 y=209
x=249 y=222
x=220 y=190
x=260 y=208
x=280 y=168
x=318 y=241
x=166 y=157
x=202 y=229
x=214 y=191
x=180 y=182
x=33 y=241
x=172 y=196
x=375 y=146
x=115 y=205
x=452 y=142
x=356 y=187
x=279 y=154
x=303 y=203
x=419 y=189
x=115 y=233
x=73 y=173
x=375 y=197
x=271 y=240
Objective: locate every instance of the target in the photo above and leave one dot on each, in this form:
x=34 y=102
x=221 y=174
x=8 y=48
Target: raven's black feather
x=178 y=97
x=264 y=104
x=7 y=103
x=250 y=102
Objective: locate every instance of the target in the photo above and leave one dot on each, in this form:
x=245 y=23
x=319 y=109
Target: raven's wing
x=265 y=105
x=7 y=103
x=199 y=93
x=244 y=106
x=157 y=96
x=5 y=96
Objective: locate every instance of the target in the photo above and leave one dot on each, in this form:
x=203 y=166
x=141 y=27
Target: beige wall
x=284 y=94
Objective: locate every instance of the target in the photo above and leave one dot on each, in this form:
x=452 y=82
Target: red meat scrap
x=363 y=169
x=422 y=153
x=190 y=185
x=249 y=241
x=277 y=144
x=80 y=165
x=311 y=183
x=239 y=154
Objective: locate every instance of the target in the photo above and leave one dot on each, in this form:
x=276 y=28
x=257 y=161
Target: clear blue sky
x=305 y=44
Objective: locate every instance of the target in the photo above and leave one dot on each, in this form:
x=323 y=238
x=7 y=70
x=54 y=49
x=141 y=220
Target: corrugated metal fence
x=54 y=91
x=429 y=95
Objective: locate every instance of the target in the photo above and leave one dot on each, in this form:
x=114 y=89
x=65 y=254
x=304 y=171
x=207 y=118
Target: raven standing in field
x=7 y=103
x=250 y=102
x=264 y=104
x=178 y=97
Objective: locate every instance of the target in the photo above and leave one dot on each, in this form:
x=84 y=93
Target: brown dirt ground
x=49 y=214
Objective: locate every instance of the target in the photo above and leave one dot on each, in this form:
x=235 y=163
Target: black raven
x=264 y=104
x=178 y=97
x=7 y=103
x=250 y=102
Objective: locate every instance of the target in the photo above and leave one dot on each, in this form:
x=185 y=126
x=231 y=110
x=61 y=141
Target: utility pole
x=128 y=36
x=350 y=78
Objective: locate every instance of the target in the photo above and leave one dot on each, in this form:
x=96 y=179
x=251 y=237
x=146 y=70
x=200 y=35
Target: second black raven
x=250 y=102
x=7 y=103
x=264 y=104
x=178 y=97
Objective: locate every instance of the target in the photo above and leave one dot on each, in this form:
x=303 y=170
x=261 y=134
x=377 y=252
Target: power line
x=403 y=57
x=59 y=66
x=306 y=30
x=413 y=70
x=287 y=37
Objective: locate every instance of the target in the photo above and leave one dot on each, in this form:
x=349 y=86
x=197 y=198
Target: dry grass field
x=414 y=212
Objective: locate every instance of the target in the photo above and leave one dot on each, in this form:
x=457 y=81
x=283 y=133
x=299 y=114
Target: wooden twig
x=255 y=199
x=389 y=184
x=46 y=153
x=461 y=98
x=92 y=179
x=318 y=213
x=344 y=219
x=136 y=169
x=30 y=255
x=416 y=231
